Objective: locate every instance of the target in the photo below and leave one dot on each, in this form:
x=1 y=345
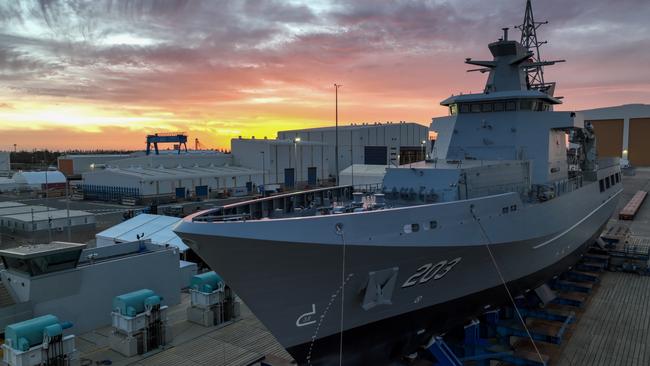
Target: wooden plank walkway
x=238 y=344
x=614 y=329
x=629 y=211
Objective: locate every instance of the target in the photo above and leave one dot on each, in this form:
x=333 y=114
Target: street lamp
x=296 y=140
x=263 y=174
x=336 y=132
x=423 y=143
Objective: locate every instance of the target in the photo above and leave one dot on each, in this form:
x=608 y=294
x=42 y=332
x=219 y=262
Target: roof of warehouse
x=158 y=228
x=5 y=211
x=355 y=126
x=46 y=215
x=287 y=142
x=38 y=250
x=10 y=204
x=179 y=173
x=73 y=156
x=365 y=169
x=51 y=176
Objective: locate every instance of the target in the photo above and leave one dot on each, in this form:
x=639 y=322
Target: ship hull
x=384 y=342
x=306 y=292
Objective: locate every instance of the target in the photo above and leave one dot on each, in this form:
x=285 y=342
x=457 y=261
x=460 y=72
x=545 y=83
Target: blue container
x=206 y=282
x=132 y=303
x=29 y=333
x=152 y=301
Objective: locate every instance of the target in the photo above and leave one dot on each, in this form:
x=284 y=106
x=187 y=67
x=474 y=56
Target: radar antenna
x=534 y=69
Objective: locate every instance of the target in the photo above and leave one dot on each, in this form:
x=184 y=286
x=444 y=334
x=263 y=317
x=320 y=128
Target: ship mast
x=535 y=69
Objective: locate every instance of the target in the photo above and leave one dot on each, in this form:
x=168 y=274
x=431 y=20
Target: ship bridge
x=507 y=121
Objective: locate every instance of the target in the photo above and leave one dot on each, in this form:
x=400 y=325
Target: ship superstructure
x=366 y=277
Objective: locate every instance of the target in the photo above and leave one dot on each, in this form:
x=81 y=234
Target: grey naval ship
x=361 y=278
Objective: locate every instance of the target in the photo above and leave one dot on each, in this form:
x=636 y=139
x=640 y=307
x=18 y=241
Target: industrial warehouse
x=623 y=131
x=296 y=159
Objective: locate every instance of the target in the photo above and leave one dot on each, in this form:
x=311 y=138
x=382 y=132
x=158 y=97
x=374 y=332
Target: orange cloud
x=103 y=75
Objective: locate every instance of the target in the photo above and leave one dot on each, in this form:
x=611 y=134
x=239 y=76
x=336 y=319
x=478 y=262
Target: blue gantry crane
x=180 y=138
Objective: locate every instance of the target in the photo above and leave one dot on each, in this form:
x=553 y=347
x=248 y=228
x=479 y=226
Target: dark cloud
x=153 y=51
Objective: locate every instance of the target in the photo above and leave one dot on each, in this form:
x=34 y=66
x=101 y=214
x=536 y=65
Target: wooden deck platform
x=240 y=343
x=614 y=329
x=629 y=211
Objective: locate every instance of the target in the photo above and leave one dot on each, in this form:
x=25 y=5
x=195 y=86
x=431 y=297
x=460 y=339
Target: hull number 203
x=431 y=271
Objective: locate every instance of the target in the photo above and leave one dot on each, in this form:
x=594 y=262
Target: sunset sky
x=103 y=74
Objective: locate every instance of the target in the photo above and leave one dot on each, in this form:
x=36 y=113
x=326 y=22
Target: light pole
x=423 y=143
x=336 y=132
x=352 y=165
x=263 y=175
x=67 y=206
x=296 y=140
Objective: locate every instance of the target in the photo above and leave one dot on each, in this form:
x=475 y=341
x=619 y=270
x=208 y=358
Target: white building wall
x=84 y=295
x=5 y=162
x=107 y=177
x=174 y=160
x=83 y=163
x=353 y=140
x=25 y=223
x=624 y=112
x=281 y=155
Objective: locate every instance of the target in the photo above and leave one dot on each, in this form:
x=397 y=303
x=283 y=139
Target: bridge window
x=606 y=182
x=509 y=105
x=541 y=106
x=602 y=185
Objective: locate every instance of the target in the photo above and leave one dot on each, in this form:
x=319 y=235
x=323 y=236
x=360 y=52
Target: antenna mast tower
x=535 y=72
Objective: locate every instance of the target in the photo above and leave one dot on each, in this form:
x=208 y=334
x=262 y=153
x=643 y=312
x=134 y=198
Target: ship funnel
x=505 y=33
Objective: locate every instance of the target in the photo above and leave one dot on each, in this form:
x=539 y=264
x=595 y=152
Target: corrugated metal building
x=285 y=162
x=114 y=184
x=168 y=159
x=75 y=165
x=43 y=220
x=5 y=163
x=44 y=223
x=622 y=131
x=157 y=228
x=7 y=184
x=369 y=143
x=307 y=157
x=54 y=179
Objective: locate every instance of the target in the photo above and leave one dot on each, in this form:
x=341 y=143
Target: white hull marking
x=577 y=223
